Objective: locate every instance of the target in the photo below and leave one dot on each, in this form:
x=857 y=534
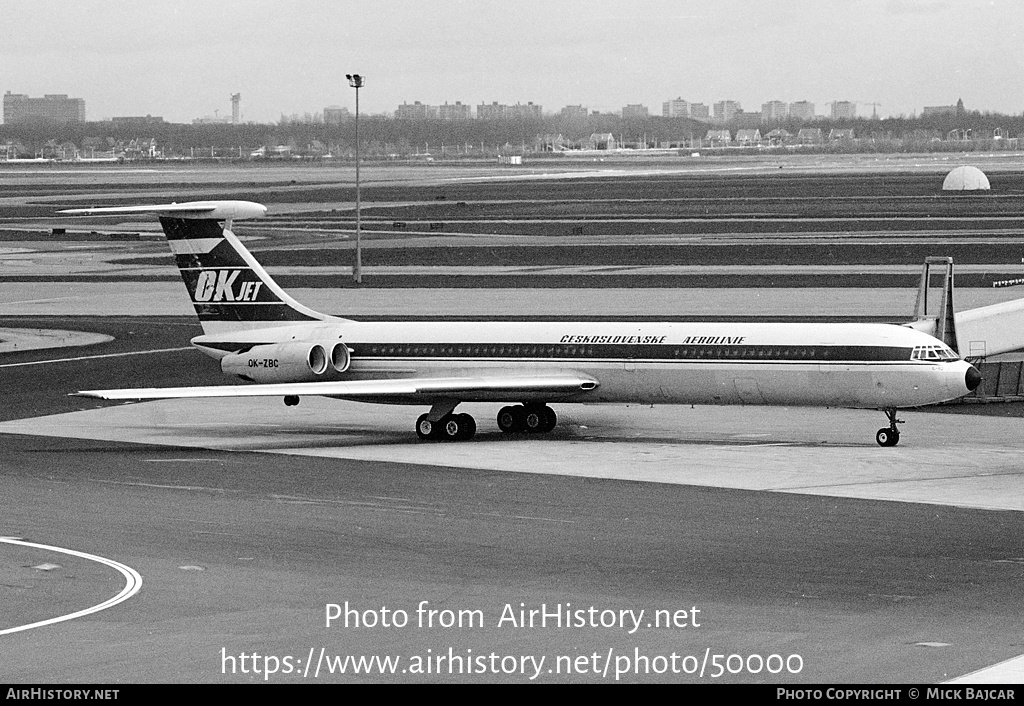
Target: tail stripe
x=191 y=228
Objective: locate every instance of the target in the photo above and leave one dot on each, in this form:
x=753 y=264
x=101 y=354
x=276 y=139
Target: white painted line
x=40 y=301
x=133 y=583
x=94 y=357
x=162 y=487
x=190 y=460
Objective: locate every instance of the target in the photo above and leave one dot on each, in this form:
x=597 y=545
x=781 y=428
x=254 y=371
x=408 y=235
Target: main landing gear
x=533 y=418
x=450 y=427
x=442 y=424
x=890 y=436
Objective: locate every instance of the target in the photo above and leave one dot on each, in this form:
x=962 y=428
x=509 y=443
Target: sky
x=182 y=59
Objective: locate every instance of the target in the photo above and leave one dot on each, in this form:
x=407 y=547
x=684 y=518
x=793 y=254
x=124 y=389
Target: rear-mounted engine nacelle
x=289 y=362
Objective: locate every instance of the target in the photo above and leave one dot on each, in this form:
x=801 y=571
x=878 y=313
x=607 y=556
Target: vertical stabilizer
x=229 y=289
x=939 y=319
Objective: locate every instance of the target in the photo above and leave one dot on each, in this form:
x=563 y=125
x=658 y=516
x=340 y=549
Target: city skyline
x=184 y=59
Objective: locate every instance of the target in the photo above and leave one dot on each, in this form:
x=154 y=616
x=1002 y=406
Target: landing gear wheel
x=551 y=419
x=468 y=426
x=457 y=427
x=426 y=429
x=540 y=419
x=890 y=436
x=887 y=437
x=535 y=419
x=512 y=419
x=451 y=427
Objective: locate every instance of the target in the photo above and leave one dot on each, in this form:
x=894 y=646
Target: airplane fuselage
x=843 y=365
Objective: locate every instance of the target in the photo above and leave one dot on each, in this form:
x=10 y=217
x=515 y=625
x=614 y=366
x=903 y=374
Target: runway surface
x=242 y=550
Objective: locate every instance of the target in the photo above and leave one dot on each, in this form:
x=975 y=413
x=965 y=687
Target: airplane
x=261 y=335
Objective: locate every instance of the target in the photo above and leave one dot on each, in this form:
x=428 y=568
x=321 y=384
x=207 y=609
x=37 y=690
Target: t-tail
x=229 y=289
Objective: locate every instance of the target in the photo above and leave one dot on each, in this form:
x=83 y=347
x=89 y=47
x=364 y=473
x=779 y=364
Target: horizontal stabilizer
x=216 y=210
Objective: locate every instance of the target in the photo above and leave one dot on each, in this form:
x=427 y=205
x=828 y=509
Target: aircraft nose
x=972 y=378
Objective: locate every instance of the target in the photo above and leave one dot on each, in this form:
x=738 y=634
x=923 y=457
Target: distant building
x=529 y=111
x=676 y=108
x=779 y=136
x=416 y=111
x=840 y=134
x=602 y=141
x=801 y=110
x=574 y=112
x=498 y=111
x=718 y=138
x=957 y=109
x=454 y=111
x=810 y=136
x=774 y=111
x=140 y=148
x=699 y=111
x=726 y=110
x=56 y=108
x=844 y=110
x=635 y=111
x=748 y=137
x=492 y=111
x=335 y=115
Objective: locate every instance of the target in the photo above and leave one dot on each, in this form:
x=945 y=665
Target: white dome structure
x=966 y=179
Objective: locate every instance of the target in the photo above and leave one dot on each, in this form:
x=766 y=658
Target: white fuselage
x=842 y=365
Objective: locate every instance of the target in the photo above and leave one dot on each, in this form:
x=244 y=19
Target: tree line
x=381 y=135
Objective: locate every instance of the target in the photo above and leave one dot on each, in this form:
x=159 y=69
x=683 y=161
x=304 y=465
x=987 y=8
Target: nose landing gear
x=890 y=436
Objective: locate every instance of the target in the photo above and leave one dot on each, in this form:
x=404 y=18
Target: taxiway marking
x=133 y=583
x=94 y=357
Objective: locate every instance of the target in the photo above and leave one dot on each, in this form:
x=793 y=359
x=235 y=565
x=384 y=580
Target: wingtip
x=87 y=393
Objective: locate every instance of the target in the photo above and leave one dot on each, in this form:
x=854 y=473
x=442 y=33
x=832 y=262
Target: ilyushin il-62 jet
x=262 y=335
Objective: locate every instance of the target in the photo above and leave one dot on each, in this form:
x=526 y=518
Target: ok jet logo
x=219 y=286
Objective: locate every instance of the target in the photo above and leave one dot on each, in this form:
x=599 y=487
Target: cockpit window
x=938 y=353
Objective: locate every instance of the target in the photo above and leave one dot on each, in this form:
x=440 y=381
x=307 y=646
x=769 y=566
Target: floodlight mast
x=357 y=81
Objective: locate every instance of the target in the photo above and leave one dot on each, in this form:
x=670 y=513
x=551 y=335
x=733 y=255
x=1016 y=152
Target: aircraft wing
x=484 y=388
